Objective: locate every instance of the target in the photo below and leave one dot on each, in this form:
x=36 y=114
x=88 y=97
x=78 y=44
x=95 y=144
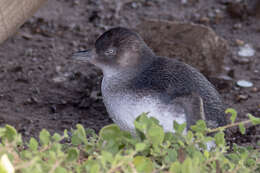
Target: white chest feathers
x=124 y=108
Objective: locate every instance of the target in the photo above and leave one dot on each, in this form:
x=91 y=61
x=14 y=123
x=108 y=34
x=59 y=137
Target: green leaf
x=220 y=139
x=107 y=156
x=206 y=154
x=110 y=132
x=44 y=137
x=10 y=133
x=149 y=127
x=92 y=166
x=200 y=126
x=187 y=166
x=79 y=136
x=189 y=137
x=233 y=113
x=253 y=119
x=140 y=147
x=81 y=132
x=2 y=132
x=179 y=128
x=172 y=155
x=154 y=120
x=175 y=167
x=155 y=134
x=60 y=170
x=95 y=168
x=73 y=154
x=142 y=122
x=65 y=133
x=143 y=164
x=33 y=144
x=250 y=162
x=233 y=157
x=56 y=137
x=242 y=128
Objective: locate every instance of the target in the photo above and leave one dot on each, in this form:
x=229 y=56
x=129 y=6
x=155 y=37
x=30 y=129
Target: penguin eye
x=110 y=52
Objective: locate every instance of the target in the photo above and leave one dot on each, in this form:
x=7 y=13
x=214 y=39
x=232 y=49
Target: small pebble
x=27 y=36
x=53 y=109
x=184 y=1
x=75 y=2
x=219 y=15
x=237 y=26
x=134 y=5
x=29 y=52
x=246 y=51
x=240 y=42
x=254 y=90
x=236 y=9
x=204 y=20
x=241 y=60
x=244 y=84
x=242 y=97
x=211 y=14
x=59 y=79
x=58 y=68
x=225 y=1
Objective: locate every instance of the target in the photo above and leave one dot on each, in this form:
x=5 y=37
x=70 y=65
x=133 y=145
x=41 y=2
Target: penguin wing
x=193 y=107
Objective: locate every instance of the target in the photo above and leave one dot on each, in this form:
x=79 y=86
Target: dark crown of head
x=116 y=36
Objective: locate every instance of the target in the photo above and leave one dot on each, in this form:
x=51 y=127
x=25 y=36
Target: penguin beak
x=86 y=55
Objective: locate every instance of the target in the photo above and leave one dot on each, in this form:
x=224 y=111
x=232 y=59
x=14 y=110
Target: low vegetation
x=113 y=150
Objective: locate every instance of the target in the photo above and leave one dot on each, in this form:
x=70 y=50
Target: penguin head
x=115 y=50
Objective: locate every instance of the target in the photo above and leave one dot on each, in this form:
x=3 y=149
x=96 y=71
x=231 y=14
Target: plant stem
x=228 y=126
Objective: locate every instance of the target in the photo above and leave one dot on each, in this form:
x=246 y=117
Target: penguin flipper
x=193 y=107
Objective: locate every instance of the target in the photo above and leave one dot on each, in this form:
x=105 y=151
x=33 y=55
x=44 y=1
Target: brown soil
x=40 y=87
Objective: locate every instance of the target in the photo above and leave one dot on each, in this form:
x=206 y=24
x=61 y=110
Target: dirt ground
x=41 y=87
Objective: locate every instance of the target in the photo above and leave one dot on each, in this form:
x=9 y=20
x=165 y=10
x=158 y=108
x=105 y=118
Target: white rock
x=244 y=83
x=184 y=1
x=59 y=79
x=246 y=51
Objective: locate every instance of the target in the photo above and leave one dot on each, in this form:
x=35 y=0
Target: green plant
x=114 y=150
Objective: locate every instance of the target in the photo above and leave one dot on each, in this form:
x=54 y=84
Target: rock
x=240 y=42
x=240 y=60
x=241 y=97
x=26 y=36
x=184 y=1
x=75 y=2
x=254 y=90
x=219 y=15
x=194 y=44
x=59 y=79
x=204 y=20
x=237 y=26
x=237 y=9
x=225 y=2
x=134 y=5
x=244 y=83
x=229 y=71
x=53 y=108
x=246 y=51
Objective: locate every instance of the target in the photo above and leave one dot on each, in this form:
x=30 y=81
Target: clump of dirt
x=41 y=87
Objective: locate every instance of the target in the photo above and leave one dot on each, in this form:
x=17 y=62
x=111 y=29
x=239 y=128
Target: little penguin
x=136 y=80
